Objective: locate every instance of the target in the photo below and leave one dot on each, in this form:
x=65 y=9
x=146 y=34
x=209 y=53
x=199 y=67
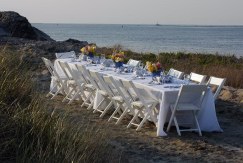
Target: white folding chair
x=89 y=86
x=132 y=62
x=77 y=83
x=71 y=83
x=219 y=82
x=195 y=93
x=59 y=83
x=114 y=96
x=102 y=90
x=122 y=102
x=143 y=107
x=200 y=79
x=175 y=73
x=64 y=55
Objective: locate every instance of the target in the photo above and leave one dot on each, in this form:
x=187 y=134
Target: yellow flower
x=153 y=67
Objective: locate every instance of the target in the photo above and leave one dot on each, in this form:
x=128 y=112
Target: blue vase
x=157 y=73
x=118 y=64
x=91 y=55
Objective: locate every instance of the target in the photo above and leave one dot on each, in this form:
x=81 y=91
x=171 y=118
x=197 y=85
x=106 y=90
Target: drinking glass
x=96 y=59
x=187 y=78
x=102 y=58
x=89 y=60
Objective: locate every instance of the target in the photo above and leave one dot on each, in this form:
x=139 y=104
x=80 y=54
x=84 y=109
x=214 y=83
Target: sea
x=222 y=40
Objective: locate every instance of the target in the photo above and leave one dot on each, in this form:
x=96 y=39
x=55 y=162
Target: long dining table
x=165 y=94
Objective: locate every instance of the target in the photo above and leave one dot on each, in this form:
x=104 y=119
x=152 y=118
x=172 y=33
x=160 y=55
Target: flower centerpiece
x=118 y=58
x=89 y=50
x=154 y=68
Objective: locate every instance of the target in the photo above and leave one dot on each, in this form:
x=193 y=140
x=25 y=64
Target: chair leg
x=95 y=110
x=91 y=105
x=177 y=126
x=114 y=113
x=170 y=122
x=87 y=99
x=133 y=119
x=75 y=96
x=142 y=122
x=69 y=93
x=122 y=115
x=197 y=124
x=57 y=92
x=106 y=109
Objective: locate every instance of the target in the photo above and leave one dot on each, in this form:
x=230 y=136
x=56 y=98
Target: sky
x=170 y=12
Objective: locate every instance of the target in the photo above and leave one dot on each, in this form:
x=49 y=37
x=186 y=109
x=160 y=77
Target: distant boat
x=157 y=24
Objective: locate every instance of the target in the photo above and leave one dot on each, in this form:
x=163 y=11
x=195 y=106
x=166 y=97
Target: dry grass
x=32 y=131
x=229 y=67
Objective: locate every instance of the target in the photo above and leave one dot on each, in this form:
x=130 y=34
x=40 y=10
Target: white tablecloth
x=207 y=115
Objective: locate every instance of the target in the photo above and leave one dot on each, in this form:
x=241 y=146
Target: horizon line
x=205 y=25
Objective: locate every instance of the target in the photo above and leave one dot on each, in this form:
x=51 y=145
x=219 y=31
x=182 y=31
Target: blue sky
x=191 y=12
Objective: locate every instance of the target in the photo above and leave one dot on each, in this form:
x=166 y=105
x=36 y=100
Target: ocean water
x=224 y=40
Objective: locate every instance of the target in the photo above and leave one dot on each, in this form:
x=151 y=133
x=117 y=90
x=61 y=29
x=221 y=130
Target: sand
x=145 y=146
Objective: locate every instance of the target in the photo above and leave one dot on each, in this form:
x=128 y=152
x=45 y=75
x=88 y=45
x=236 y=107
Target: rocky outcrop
x=14 y=25
x=231 y=94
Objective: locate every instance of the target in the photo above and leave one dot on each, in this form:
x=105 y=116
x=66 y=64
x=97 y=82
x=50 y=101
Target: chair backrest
x=74 y=73
x=64 y=55
x=175 y=73
x=192 y=93
x=82 y=73
x=200 y=79
x=66 y=69
x=50 y=67
x=99 y=83
x=110 y=86
x=53 y=71
x=132 y=62
x=219 y=82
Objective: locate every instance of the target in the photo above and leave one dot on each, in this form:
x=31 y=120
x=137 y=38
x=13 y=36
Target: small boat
x=157 y=24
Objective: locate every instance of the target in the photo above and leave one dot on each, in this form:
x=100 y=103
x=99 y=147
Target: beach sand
x=145 y=146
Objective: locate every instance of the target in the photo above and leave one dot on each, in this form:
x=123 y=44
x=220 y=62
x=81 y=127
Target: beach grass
x=224 y=66
x=31 y=130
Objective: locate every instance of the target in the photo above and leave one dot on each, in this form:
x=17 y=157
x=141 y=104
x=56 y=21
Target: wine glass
x=187 y=78
x=89 y=60
x=102 y=58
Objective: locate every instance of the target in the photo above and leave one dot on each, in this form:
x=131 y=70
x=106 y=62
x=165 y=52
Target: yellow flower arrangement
x=88 y=49
x=153 y=67
x=84 y=50
x=92 y=48
x=118 y=56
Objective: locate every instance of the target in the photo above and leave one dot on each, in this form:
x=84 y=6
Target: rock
x=239 y=95
x=73 y=41
x=14 y=25
x=226 y=95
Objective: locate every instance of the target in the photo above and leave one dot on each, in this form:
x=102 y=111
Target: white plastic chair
x=200 y=79
x=175 y=73
x=132 y=62
x=59 y=83
x=143 y=107
x=64 y=55
x=219 y=82
x=89 y=86
x=194 y=92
